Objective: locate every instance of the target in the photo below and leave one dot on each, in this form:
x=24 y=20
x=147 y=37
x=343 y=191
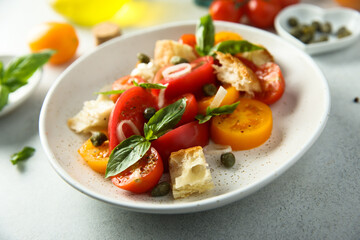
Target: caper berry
x=293 y=22
x=161 y=189
x=209 y=89
x=316 y=25
x=325 y=27
x=143 y=58
x=98 y=138
x=177 y=60
x=227 y=159
x=149 y=112
x=343 y=32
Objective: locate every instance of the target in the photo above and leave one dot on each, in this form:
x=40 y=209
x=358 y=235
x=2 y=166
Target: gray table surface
x=317 y=198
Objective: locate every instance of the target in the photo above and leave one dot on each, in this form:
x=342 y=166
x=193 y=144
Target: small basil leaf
x=24 y=154
x=149 y=85
x=202 y=118
x=4 y=96
x=205 y=35
x=126 y=154
x=164 y=119
x=111 y=92
x=226 y=109
x=234 y=47
x=22 y=68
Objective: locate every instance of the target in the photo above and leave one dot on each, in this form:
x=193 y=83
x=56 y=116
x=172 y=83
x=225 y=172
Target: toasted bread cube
x=189 y=172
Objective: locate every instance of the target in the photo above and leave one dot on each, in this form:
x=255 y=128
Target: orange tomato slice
x=96 y=157
x=231 y=96
x=225 y=36
x=249 y=126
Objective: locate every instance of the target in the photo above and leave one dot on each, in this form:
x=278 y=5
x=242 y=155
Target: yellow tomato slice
x=96 y=157
x=231 y=96
x=247 y=127
x=225 y=36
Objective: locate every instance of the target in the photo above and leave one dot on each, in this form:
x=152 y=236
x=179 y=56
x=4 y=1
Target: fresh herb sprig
x=143 y=85
x=211 y=112
x=19 y=71
x=132 y=149
x=24 y=154
x=205 y=39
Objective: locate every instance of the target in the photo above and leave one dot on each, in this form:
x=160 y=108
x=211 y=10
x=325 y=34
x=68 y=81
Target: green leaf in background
x=164 y=119
x=126 y=154
x=210 y=112
x=4 y=96
x=1 y=71
x=234 y=47
x=149 y=85
x=205 y=35
x=24 y=154
x=111 y=92
x=21 y=69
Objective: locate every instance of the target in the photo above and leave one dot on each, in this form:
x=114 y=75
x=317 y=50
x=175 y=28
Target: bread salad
x=204 y=88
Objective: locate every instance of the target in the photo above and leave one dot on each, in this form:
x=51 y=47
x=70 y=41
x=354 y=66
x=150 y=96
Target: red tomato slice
x=188 y=135
x=188 y=39
x=129 y=106
x=191 y=109
x=201 y=73
x=124 y=83
x=272 y=83
x=143 y=175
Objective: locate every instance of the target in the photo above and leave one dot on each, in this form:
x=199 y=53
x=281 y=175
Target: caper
x=161 y=189
x=316 y=25
x=143 y=58
x=322 y=38
x=306 y=38
x=209 y=89
x=296 y=32
x=293 y=22
x=325 y=27
x=98 y=138
x=343 y=32
x=177 y=60
x=227 y=159
x=149 y=112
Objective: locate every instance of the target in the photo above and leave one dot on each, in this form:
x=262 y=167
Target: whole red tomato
x=261 y=13
x=285 y=3
x=227 y=10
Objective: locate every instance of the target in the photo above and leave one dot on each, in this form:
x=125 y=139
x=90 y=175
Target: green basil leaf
x=24 y=154
x=149 y=85
x=4 y=96
x=111 y=92
x=1 y=71
x=22 y=68
x=210 y=112
x=126 y=154
x=203 y=118
x=226 y=109
x=234 y=47
x=205 y=35
x=164 y=119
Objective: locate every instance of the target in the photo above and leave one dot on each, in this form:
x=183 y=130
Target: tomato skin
x=143 y=175
x=96 y=157
x=285 y=3
x=226 y=10
x=124 y=83
x=202 y=73
x=188 y=39
x=272 y=83
x=188 y=135
x=191 y=109
x=261 y=13
x=129 y=106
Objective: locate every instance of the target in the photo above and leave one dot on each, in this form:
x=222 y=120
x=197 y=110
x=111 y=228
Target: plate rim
x=184 y=207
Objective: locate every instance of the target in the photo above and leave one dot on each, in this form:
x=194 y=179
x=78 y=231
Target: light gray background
x=317 y=198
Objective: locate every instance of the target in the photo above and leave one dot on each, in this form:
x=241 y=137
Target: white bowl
x=299 y=118
x=20 y=95
x=306 y=13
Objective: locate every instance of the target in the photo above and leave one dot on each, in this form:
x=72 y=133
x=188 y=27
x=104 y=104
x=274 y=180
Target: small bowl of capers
x=316 y=30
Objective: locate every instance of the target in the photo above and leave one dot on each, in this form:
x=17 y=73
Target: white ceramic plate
x=299 y=118
x=19 y=96
x=306 y=13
